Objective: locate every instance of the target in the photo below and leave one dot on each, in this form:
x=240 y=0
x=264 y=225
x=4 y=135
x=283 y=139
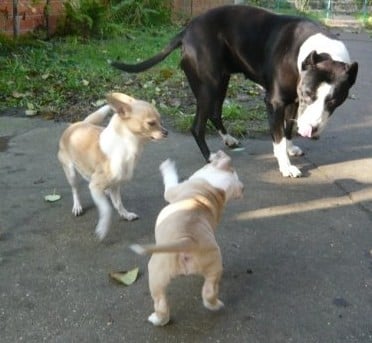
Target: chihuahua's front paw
x=130 y=216
x=217 y=305
x=157 y=320
x=77 y=210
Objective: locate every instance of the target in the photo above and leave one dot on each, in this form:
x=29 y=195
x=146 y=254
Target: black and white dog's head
x=326 y=76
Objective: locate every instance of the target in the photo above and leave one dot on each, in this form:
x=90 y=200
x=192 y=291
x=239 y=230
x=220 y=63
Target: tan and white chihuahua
x=107 y=156
x=184 y=231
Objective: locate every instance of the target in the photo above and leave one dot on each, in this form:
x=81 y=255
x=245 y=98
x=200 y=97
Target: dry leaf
x=125 y=277
x=52 y=197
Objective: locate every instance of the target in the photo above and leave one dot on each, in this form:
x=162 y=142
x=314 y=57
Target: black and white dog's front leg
x=282 y=146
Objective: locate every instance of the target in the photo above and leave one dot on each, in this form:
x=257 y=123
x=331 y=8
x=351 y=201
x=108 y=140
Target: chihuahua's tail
x=98 y=116
x=182 y=245
x=175 y=43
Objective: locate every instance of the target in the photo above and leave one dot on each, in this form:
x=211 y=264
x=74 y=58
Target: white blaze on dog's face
x=324 y=83
x=140 y=117
x=221 y=174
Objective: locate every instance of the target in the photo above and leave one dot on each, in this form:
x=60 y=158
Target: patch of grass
x=63 y=79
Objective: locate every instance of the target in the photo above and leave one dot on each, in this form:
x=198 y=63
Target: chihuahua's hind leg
x=71 y=177
x=115 y=196
x=104 y=210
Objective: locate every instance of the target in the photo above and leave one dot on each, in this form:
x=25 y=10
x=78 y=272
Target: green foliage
x=67 y=78
x=102 y=19
x=137 y=13
x=85 y=18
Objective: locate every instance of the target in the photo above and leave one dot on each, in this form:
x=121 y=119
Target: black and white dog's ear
x=352 y=72
x=309 y=61
x=314 y=58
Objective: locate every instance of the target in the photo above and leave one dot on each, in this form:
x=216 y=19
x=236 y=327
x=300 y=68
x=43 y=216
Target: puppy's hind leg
x=104 y=209
x=210 y=289
x=115 y=197
x=159 y=279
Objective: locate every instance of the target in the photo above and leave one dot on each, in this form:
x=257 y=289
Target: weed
x=63 y=79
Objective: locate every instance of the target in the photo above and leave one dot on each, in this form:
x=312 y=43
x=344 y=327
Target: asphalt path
x=297 y=252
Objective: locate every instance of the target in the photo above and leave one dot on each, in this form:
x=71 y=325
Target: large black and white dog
x=305 y=72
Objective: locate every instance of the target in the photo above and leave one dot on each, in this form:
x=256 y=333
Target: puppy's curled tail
x=182 y=245
x=175 y=43
x=98 y=116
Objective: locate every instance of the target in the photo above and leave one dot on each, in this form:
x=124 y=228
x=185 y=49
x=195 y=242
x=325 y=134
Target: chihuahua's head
x=139 y=117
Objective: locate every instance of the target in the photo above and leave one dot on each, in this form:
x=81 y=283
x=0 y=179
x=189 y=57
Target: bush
x=136 y=13
x=104 y=18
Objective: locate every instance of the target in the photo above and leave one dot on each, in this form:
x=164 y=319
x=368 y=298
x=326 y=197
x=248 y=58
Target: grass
x=65 y=79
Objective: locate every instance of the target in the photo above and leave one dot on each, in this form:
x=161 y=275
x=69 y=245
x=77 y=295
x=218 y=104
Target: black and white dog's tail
x=175 y=43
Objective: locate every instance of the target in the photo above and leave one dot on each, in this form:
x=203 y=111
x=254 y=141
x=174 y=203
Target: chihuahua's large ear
x=121 y=103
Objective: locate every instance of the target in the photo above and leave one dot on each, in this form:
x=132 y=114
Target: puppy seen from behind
x=184 y=231
x=107 y=156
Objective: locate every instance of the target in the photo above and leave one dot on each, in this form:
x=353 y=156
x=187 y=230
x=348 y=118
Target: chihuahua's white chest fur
x=121 y=150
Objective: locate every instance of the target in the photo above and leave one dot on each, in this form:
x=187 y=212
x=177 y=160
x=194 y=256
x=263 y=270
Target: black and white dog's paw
x=290 y=171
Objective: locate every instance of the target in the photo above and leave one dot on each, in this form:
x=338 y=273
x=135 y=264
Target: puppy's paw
x=291 y=171
x=167 y=165
x=157 y=320
x=215 y=306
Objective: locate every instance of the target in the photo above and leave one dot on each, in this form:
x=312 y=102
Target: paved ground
x=297 y=252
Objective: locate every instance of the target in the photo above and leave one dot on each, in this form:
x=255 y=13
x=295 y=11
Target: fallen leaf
x=52 y=197
x=85 y=82
x=99 y=103
x=125 y=277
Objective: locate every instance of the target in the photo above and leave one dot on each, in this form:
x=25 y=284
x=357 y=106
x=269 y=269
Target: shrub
x=104 y=18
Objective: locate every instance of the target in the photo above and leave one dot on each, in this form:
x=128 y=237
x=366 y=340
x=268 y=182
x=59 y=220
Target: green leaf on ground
x=125 y=277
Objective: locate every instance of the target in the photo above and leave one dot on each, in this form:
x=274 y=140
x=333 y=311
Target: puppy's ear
x=225 y=163
x=122 y=108
x=222 y=160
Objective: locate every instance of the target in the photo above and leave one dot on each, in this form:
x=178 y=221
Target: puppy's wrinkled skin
x=184 y=231
x=107 y=156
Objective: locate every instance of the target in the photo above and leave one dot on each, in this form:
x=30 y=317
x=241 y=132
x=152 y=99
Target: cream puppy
x=184 y=231
x=107 y=156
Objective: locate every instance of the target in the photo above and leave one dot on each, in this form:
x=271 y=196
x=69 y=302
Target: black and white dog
x=305 y=72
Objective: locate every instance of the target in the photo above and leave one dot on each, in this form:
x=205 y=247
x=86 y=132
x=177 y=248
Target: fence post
x=365 y=11
x=329 y=9
x=15 y=19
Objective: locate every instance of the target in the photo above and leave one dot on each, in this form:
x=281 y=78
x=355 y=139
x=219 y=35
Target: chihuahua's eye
x=151 y=123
